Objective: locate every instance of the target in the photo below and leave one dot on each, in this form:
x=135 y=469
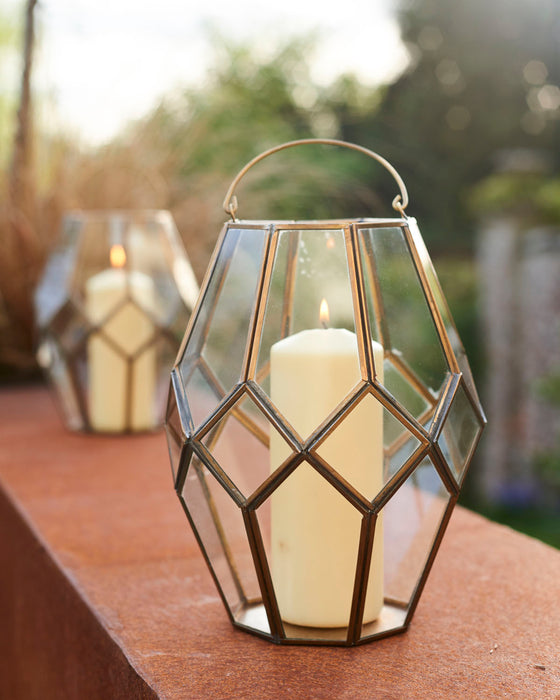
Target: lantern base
x=253 y=618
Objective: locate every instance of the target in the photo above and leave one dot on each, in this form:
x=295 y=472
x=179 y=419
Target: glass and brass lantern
x=111 y=308
x=321 y=419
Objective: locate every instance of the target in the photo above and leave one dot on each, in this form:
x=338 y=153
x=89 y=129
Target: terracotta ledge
x=103 y=592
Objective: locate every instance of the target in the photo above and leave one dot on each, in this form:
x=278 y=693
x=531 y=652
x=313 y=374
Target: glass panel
x=174 y=448
x=129 y=328
x=398 y=307
x=70 y=327
x=153 y=249
x=411 y=520
x=309 y=266
x=54 y=288
x=213 y=515
x=166 y=351
x=406 y=392
x=240 y=445
x=202 y=397
x=314 y=364
x=107 y=386
x=93 y=251
x=221 y=329
x=65 y=385
x=315 y=536
x=460 y=433
x=172 y=418
x=368 y=447
x=145 y=410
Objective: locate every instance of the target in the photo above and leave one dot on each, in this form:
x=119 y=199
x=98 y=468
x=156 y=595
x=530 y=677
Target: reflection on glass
x=460 y=433
x=394 y=293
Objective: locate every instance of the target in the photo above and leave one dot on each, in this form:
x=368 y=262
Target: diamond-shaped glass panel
x=411 y=521
x=220 y=526
x=309 y=266
x=368 y=447
x=397 y=305
x=221 y=329
x=460 y=433
x=311 y=373
x=129 y=328
x=315 y=535
x=240 y=444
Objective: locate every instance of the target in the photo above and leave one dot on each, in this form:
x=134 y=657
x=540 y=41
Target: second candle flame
x=324 y=314
x=117 y=256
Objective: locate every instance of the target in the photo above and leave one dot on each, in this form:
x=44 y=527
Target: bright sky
x=104 y=63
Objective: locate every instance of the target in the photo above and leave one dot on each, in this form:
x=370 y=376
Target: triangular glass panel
x=368 y=447
x=410 y=394
x=397 y=306
x=460 y=433
x=203 y=396
x=172 y=418
x=174 y=448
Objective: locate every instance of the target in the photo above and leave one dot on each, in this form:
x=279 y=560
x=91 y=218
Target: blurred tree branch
x=21 y=249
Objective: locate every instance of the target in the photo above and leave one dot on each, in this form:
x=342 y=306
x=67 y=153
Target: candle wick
x=324 y=323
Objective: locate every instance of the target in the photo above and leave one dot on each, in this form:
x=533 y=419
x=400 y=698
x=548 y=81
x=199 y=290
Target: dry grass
x=125 y=176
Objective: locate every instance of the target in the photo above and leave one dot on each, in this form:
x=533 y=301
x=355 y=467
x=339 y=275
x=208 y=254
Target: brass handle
x=400 y=202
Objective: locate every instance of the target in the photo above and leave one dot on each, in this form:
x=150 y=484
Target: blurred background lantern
x=321 y=419
x=110 y=308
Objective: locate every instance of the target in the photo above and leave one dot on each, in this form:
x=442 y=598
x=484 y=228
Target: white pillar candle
x=129 y=328
x=314 y=530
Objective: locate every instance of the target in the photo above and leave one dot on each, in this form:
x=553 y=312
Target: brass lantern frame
x=191 y=442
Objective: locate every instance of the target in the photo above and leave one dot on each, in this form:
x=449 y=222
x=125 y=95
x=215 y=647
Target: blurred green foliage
x=484 y=77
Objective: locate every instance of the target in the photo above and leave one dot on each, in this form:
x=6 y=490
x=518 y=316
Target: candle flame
x=330 y=243
x=324 y=317
x=117 y=255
